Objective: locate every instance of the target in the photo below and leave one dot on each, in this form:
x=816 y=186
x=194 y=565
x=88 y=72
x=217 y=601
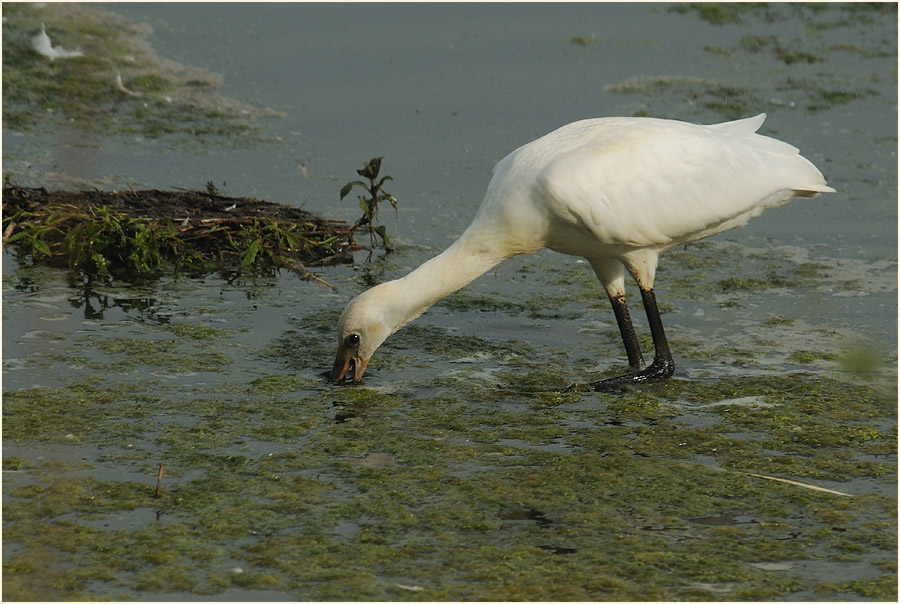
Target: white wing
x=646 y=182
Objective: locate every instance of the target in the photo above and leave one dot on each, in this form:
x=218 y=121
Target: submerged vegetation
x=477 y=485
x=117 y=85
x=796 y=88
x=739 y=13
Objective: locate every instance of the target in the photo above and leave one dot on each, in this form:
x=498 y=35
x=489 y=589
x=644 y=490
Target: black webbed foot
x=658 y=371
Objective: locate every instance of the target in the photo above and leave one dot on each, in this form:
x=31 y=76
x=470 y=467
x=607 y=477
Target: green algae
x=789 y=60
x=717 y=13
x=821 y=15
x=463 y=300
x=806 y=357
x=516 y=493
x=583 y=40
x=159 y=98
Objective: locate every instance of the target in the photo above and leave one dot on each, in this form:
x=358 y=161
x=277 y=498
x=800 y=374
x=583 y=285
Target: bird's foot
x=658 y=371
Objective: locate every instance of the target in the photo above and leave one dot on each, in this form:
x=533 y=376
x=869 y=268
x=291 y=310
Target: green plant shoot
x=368 y=203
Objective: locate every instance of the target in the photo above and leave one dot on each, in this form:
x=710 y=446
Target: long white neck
x=470 y=256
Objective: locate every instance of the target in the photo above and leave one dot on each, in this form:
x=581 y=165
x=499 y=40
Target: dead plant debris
x=138 y=233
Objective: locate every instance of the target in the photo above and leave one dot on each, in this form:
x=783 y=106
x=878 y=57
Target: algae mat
x=475 y=479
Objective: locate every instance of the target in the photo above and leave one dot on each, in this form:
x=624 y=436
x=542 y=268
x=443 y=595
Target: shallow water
x=454 y=473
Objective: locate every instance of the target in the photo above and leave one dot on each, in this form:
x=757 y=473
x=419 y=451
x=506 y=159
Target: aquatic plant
x=113 y=84
x=140 y=233
x=368 y=203
x=716 y=13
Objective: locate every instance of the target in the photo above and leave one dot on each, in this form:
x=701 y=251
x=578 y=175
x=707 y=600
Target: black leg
x=623 y=318
x=662 y=367
x=663 y=358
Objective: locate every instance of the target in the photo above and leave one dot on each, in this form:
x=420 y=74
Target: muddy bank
x=109 y=80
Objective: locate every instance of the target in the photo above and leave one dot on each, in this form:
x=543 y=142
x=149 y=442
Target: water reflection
x=147 y=300
x=96 y=303
x=91 y=295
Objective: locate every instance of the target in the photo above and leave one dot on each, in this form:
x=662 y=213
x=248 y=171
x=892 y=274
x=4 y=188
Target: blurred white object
x=120 y=86
x=43 y=46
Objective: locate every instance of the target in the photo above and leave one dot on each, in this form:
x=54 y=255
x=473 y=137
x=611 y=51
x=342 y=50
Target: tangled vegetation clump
x=139 y=233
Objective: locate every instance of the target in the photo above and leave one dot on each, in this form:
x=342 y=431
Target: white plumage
x=616 y=191
x=42 y=45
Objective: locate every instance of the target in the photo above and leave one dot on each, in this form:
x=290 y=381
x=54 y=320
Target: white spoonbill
x=616 y=191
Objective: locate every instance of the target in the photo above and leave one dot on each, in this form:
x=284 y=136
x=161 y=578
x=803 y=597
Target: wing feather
x=658 y=183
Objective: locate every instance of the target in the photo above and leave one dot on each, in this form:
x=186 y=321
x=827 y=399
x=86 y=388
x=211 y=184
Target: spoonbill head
x=364 y=325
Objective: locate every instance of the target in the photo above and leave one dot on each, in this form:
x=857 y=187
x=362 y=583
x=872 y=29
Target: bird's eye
x=352 y=339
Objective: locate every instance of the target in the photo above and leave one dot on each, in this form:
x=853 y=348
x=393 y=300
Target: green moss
x=839 y=97
x=851 y=48
x=151 y=83
x=862 y=360
x=658 y=85
x=279 y=384
x=16 y=464
x=475 y=498
x=716 y=13
x=732 y=284
x=784 y=55
x=463 y=300
x=805 y=357
x=717 y=51
x=161 y=354
x=756 y=43
x=776 y=320
x=729 y=109
x=165 y=99
x=726 y=100
x=196 y=332
x=583 y=40
x=882 y=587
x=791 y=56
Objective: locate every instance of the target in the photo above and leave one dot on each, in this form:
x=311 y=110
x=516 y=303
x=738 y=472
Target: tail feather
x=742 y=127
x=812 y=190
